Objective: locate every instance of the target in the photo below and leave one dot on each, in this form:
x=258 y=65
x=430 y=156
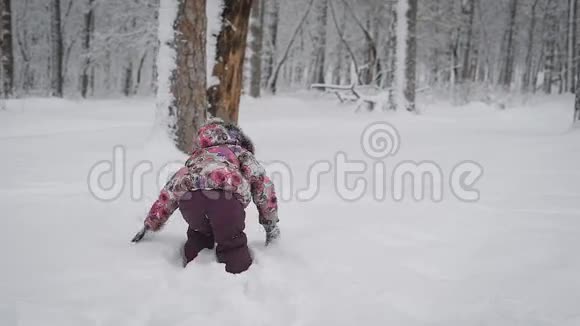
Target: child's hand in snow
x=272 y=233
x=139 y=236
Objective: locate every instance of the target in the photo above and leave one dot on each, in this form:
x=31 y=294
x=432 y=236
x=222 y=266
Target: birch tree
x=406 y=56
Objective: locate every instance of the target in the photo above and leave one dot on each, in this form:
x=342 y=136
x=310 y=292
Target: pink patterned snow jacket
x=223 y=159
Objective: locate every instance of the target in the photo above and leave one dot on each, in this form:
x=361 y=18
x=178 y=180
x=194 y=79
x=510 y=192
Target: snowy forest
x=466 y=48
x=374 y=162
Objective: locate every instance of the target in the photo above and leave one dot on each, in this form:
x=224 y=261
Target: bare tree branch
x=274 y=78
x=343 y=40
x=365 y=31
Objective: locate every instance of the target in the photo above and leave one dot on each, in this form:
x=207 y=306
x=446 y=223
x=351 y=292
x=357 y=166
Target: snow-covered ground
x=509 y=259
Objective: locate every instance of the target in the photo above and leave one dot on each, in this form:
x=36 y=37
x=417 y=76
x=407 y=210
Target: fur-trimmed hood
x=217 y=132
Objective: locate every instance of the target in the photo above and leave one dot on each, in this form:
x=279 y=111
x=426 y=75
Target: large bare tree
x=224 y=98
x=188 y=80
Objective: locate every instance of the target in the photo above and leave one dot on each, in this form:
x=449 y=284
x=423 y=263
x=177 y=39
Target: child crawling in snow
x=218 y=182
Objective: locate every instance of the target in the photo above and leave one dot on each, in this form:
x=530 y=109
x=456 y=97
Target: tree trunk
x=394 y=70
x=371 y=56
x=224 y=98
x=272 y=28
x=551 y=22
x=470 y=12
x=435 y=55
x=139 y=77
x=57 y=54
x=257 y=30
x=509 y=61
x=340 y=47
x=527 y=78
x=576 y=68
x=128 y=79
x=577 y=104
x=561 y=57
x=411 y=58
x=87 y=38
x=156 y=46
x=319 y=40
x=571 y=66
x=6 y=49
x=380 y=39
x=536 y=74
x=188 y=80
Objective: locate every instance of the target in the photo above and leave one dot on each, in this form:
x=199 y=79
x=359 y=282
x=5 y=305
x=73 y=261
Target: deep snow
x=509 y=259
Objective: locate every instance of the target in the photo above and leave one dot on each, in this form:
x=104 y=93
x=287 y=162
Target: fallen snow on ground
x=509 y=259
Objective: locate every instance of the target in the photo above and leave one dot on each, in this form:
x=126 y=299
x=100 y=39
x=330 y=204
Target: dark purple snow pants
x=216 y=216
